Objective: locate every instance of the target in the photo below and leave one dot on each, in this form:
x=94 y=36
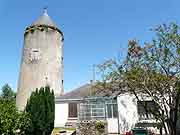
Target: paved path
x=67 y=133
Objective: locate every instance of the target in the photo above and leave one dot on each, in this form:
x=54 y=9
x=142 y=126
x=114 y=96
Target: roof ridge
x=87 y=84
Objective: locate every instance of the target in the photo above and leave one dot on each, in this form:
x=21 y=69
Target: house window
x=72 y=110
x=115 y=110
x=112 y=111
x=109 y=111
x=145 y=109
x=97 y=111
x=90 y=111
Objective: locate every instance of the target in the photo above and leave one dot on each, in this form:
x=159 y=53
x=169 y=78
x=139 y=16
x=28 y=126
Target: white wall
x=61 y=114
x=128 y=115
x=112 y=125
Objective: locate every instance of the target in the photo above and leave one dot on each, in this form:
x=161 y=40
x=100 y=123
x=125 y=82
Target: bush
x=41 y=108
x=11 y=120
x=100 y=126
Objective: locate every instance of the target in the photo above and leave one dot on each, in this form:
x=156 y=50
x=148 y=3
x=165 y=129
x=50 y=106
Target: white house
x=122 y=112
x=66 y=106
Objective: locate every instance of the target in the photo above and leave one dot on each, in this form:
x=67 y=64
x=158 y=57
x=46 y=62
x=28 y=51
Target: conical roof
x=44 y=19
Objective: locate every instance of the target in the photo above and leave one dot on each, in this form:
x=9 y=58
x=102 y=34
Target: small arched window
x=34 y=55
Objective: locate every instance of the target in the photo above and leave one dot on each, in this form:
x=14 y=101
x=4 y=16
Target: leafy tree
x=41 y=108
x=12 y=121
x=7 y=92
x=151 y=71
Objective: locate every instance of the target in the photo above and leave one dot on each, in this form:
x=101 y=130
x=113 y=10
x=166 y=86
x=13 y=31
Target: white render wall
x=112 y=125
x=128 y=116
x=61 y=114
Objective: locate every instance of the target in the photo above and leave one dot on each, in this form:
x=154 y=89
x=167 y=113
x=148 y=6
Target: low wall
x=92 y=128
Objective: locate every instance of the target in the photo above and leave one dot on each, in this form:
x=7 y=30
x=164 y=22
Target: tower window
x=34 y=55
x=35 y=51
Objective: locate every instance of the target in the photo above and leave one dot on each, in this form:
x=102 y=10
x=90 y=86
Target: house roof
x=85 y=91
x=78 y=93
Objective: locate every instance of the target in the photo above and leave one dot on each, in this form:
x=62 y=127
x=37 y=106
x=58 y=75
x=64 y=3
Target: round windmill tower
x=42 y=59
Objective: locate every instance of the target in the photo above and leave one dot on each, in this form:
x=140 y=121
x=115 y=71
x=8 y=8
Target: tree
x=12 y=121
x=7 y=92
x=41 y=107
x=151 y=71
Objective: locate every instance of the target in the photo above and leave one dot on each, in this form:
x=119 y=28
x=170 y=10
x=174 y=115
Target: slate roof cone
x=44 y=19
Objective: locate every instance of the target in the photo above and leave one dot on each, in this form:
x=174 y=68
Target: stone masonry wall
x=92 y=128
x=41 y=64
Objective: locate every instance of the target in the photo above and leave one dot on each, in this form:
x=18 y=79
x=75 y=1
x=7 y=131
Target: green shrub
x=12 y=121
x=100 y=126
x=41 y=108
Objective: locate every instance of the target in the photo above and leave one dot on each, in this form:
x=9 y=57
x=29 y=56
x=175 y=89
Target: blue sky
x=94 y=30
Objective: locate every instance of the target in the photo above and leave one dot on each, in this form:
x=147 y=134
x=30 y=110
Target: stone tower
x=42 y=59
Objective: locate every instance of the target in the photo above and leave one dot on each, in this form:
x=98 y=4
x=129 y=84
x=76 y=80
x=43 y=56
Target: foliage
x=41 y=108
x=151 y=71
x=100 y=126
x=7 y=92
x=12 y=121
